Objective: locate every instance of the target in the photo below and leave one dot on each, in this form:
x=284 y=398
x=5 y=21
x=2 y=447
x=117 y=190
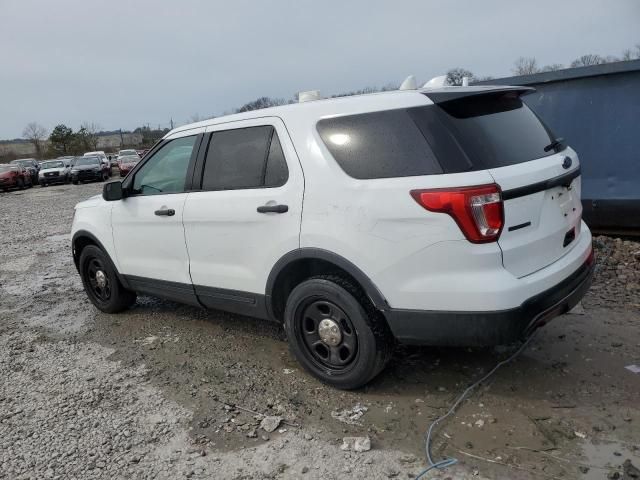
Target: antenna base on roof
x=309 y=96
x=409 y=83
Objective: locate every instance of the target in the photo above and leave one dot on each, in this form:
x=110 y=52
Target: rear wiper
x=555 y=144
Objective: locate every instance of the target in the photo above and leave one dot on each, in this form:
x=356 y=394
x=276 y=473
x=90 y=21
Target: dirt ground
x=172 y=391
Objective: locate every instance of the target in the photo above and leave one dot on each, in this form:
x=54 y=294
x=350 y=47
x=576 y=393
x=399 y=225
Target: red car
x=125 y=164
x=14 y=176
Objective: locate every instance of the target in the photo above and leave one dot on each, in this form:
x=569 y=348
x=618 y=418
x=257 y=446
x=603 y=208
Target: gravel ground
x=171 y=391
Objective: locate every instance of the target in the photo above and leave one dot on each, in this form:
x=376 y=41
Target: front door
x=147 y=224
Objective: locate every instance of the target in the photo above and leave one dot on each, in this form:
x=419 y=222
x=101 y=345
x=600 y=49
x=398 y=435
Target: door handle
x=273 y=209
x=166 y=212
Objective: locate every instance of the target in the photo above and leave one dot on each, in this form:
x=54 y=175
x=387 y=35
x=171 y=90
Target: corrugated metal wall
x=597 y=111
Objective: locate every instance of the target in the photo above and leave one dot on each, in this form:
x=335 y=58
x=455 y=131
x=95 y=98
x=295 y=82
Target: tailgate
x=542 y=211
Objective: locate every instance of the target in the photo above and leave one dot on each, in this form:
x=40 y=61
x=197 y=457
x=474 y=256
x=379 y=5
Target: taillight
x=478 y=211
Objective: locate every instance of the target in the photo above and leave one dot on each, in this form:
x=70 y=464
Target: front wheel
x=20 y=184
x=101 y=282
x=335 y=333
x=105 y=177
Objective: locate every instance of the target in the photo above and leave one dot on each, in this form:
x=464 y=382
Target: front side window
x=244 y=158
x=166 y=170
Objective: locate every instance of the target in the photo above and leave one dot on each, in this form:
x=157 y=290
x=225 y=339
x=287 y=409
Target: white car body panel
x=418 y=260
x=148 y=245
x=230 y=244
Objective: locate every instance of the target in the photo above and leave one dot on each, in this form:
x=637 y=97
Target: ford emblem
x=566 y=163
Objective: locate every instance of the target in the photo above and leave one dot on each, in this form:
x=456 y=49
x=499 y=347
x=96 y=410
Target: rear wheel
x=101 y=282
x=335 y=333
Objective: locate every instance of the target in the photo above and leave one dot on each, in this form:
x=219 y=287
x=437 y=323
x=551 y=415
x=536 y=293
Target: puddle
x=59 y=238
x=609 y=456
x=19 y=264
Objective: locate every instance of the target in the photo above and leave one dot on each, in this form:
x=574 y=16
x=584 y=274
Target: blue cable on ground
x=447 y=462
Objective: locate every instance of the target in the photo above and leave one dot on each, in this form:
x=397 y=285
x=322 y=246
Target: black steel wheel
x=101 y=282
x=335 y=333
x=328 y=334
x=98 y=279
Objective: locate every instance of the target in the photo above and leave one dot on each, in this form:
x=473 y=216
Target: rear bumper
x=423 y=327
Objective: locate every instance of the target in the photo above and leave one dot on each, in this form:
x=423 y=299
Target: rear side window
x=378 y=145
x=483 y=131
x=244 y=158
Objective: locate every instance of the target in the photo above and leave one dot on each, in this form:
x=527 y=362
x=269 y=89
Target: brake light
x=478 y=211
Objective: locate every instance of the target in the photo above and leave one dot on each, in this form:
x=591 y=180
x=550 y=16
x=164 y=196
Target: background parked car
x=14 y=176
x=32 y=167
x=54 y=171
x=126 y=163
x=89 y=168
x=127 y=153
x=103 y=158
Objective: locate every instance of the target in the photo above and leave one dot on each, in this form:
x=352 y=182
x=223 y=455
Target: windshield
x=124 y=153
x=46 y=165
x=7 y=168
x=87 y=161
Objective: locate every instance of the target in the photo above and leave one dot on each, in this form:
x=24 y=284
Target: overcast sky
x=121 y=64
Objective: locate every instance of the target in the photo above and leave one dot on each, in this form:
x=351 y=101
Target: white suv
x=445 y=216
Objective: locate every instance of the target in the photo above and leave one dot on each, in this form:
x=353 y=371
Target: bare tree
x=36 y=134
x=589 y=59
x=554 y=67
x=627 y=55
x=88 y=135
x=525 y=66
x=455 y=76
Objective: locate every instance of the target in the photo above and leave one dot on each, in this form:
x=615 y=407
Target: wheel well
x=297 y=272
x=78 y=245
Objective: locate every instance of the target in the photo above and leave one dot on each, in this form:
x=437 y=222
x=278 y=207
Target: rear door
x=494 y=130
x=247 y=214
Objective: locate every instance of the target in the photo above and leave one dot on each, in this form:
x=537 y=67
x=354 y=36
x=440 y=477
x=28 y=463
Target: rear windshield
x=472 y=133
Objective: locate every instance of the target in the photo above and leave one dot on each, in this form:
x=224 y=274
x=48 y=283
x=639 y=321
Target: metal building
x=596 y=109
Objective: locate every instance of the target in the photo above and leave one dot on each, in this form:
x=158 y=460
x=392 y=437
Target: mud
x=567 y=408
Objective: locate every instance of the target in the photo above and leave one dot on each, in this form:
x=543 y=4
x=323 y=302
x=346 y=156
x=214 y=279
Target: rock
x=479 y=423
x=270 y=423
x=630 y=471
x=350 y=416
x=252 y=433
x=304 y=470
x=356 y=444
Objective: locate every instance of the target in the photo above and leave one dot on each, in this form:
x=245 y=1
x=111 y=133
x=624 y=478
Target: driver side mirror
x=113 y=191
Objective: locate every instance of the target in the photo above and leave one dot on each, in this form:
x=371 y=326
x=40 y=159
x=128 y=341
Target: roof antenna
x=409 y=83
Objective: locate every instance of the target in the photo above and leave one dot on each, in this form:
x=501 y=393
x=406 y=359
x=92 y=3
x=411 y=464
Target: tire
x=105 y=291
x=75 y=182
x=20 y=184
x=105 y=177
x=42 y=184
x=357 y=353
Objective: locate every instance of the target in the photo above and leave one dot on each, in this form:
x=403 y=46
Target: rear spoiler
x=456 y=93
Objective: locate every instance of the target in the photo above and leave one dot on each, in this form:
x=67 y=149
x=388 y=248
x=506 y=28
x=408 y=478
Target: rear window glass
x=378 y=145
x=483 y=131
